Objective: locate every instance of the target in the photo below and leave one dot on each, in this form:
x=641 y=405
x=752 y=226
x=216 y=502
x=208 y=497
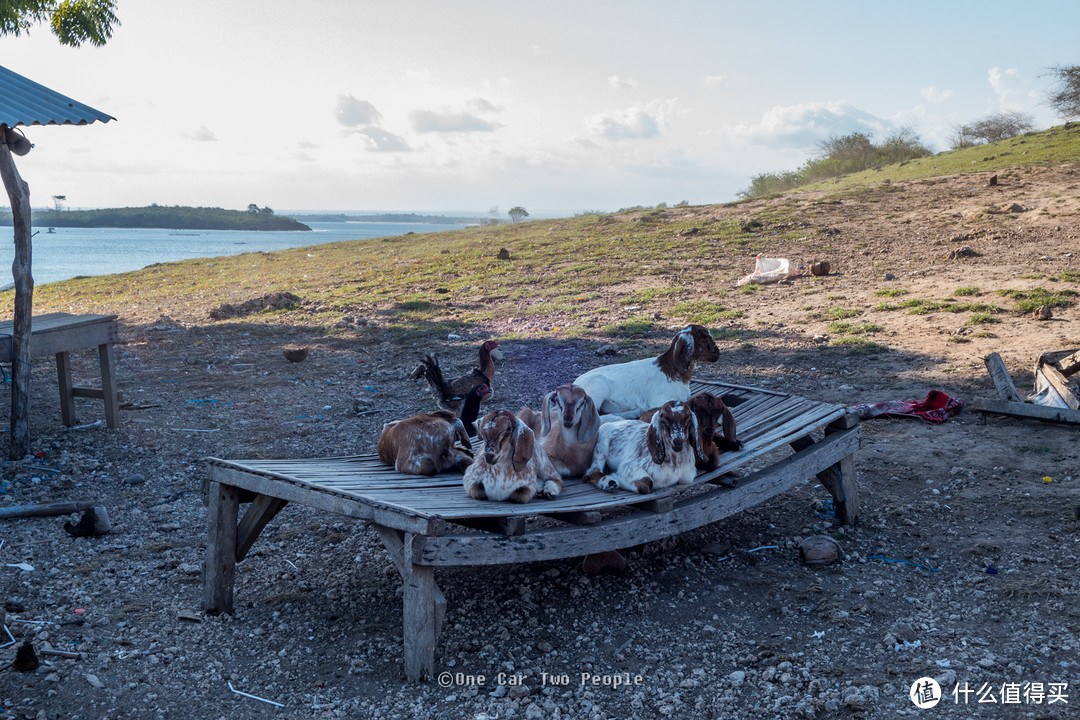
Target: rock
x=964 y=252
x=26 y=660
x=1016 y=208
x=820 y=268
x=819 y=550
x=993 y=180
x=135 y=479
x=902 y=632
x=605 y=350
x=534 y=712
x=888 y=276
x=1043 y=312
x=606 y=562
x=271 y=301
x=737 y=677
x=295 y=354
x=504 y=254
x=190 y=569
x=93 y=680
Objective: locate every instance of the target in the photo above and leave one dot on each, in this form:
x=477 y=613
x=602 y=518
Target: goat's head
x=691 y=344
x=708 y=409
x=575 y=410
x=673 y=424
x=506 y=439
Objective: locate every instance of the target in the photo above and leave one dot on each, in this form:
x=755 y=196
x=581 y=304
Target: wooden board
x=1002 y=381
x=1025 y=410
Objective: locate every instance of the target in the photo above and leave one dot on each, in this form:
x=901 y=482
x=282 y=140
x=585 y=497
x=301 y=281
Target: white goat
x=567 y=428
x=633 y=387
x=512 y=466
x=646 y=456
x=425 y=444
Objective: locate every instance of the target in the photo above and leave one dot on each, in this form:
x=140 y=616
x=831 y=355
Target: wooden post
x=67 y=397
x=418 y=616
x=19 y=194
x=219 y=569
x=1000 y=375
x=108 y=385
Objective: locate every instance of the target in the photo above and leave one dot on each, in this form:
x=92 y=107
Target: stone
x=819 y=550
x=737 y=677
x=135 y=479
x=606 y=562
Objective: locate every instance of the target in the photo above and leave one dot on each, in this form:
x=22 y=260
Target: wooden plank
x=1060 y=384
x=1000 y=375
x=418 y=614
x=67 y=397
x=1025 y=410
x=324 y=500
x=659 y=505
x=261 y=511
x=636 y=528
x=219 y=568
x=1070 y=365
x=839 y=480
x=394 y=542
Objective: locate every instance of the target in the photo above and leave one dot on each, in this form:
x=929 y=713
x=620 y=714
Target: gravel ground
x=963 y=567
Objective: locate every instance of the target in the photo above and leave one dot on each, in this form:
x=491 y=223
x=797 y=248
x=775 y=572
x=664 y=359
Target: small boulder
x=1043 y=312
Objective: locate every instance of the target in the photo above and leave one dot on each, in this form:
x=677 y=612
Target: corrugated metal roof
x=25 y=102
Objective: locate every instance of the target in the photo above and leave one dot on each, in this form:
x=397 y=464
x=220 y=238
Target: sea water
x=70 y=252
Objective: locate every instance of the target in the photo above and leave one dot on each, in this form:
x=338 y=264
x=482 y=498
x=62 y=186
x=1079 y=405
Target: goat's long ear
x=522 y=443
x=729 y=429
x=545 y=418
x=655 y=439
x=696 y=441
x=683 y=351
x=460 y=435
x=589 y=424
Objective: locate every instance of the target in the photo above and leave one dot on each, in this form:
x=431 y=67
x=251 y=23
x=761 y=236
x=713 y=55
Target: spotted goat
x=645 y=456
x=512 y=465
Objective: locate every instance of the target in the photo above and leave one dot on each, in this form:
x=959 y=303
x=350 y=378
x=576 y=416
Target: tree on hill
x=518 y=213
x=73 y=22
x=991 y=128
x=1065 y=97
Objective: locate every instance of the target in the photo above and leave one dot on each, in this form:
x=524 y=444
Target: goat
x=647 y=456
x=570 y=446
x=708 y=409
x=633 y=387
x=512 y=466
x=425 y=444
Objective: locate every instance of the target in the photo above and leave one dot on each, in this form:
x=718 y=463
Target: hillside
x=160 y=216
x=964 y=566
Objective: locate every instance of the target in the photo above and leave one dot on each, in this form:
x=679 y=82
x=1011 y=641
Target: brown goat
x=569 y=444
x=708 y=409
x=425 y=444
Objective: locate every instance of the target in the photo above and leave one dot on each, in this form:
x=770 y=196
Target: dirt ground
x=963 y=567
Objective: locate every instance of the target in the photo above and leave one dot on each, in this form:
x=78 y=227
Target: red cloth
x=935 y=409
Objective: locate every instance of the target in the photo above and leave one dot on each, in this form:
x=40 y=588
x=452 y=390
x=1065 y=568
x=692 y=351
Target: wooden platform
x=429 y=522
x=58 y=334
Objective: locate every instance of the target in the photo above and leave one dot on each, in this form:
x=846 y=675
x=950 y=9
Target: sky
x=472 y=105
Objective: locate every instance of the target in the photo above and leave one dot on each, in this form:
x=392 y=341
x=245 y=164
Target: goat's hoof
x=476 y=491
x=608 y=485
x=551 y=490
x=643 y=486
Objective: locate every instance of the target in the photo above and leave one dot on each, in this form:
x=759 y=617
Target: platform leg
x=840 y=481
x=108 y=385
x=394 y=542
x=67 y=394
x=219 y=569
x=418 y=616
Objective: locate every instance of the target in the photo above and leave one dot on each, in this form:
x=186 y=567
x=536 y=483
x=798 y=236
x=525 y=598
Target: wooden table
x=429 y=522
x=60 y=333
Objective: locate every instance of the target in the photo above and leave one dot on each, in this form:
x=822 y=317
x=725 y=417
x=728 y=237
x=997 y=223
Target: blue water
x=69 y=252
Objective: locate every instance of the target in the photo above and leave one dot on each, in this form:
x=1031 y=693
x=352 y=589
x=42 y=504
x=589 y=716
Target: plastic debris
x=906 y=562
x=769 y=270
x=255 y=697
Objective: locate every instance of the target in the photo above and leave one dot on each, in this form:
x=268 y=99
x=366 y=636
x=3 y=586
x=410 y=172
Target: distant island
x=171 y=218
x=395 y=218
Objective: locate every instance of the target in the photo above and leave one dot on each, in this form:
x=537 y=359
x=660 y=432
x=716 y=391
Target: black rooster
x=451 y=394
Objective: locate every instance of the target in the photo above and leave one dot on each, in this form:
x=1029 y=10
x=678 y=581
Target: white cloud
x=620 y=83
x=1011 y=89
x=379 y=140
x=934 y=96
x=351 y=112
x=426 y=121
x=634 y=123
x=804 y=126
x=201 y=134
x=481 y=105
x=713 y=79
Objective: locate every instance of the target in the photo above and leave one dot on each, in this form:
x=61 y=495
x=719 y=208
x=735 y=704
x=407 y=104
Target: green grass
x=840 y=313
x=982 y=319
x=967 y=292
x=858 y=346
x=1030 y=300
x=704 y=312
x=847 y=328
x=890 y=292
